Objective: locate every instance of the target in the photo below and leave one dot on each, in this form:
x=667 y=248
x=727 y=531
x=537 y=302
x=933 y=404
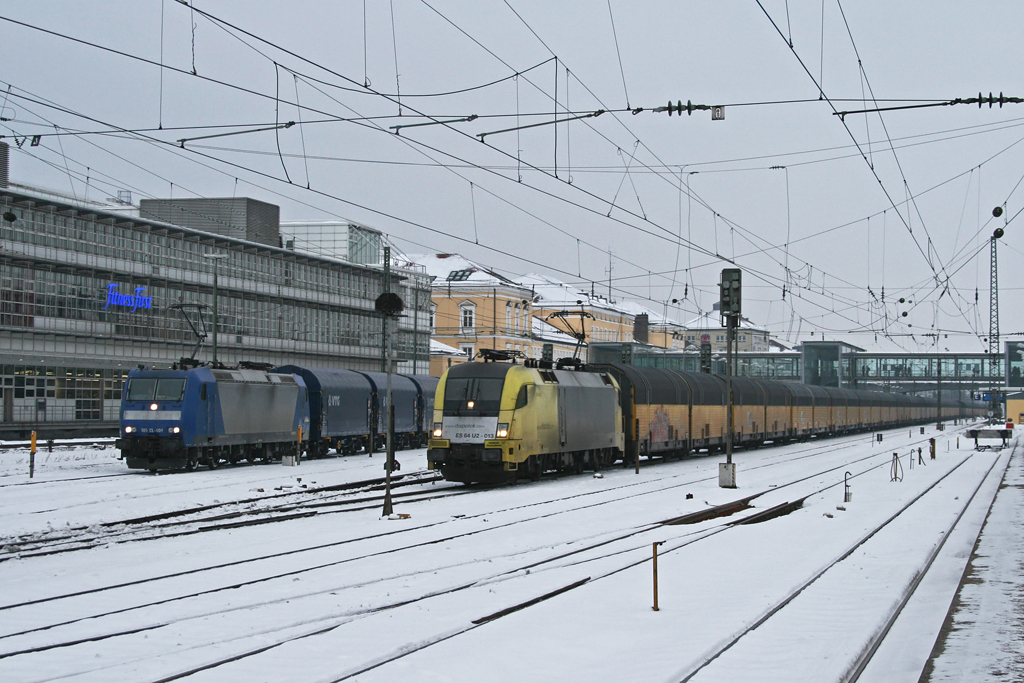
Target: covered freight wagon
x=340 y=406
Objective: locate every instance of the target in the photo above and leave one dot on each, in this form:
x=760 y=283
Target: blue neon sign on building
x=133 y=301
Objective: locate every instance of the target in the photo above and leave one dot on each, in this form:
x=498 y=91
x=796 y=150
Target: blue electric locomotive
x=173 y=419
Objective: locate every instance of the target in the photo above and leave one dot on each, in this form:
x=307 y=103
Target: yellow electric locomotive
x=494 y=422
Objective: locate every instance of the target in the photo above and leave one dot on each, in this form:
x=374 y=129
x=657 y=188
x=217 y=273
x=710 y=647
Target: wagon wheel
x=212 y=461
x=191 y=463
x=535 y=468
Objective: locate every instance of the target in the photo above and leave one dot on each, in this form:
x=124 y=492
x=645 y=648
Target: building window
x=433 y=311
x=467 y=315
x=519 y=324
x=467 y=349
x=508 y=315
x=719 y=337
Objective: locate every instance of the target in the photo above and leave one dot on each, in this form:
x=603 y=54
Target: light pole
x=215 y=258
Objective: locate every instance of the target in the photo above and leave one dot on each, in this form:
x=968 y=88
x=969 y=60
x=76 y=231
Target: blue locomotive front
x=173 y=419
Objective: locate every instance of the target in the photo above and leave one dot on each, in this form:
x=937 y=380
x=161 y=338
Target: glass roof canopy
x=833 y=364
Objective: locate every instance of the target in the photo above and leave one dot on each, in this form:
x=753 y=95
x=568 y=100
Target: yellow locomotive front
x=494 y=422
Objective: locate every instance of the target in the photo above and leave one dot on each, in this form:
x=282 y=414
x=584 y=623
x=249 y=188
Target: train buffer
x=1002 y=434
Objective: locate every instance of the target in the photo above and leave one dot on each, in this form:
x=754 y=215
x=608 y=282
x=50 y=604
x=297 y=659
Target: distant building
x=656 y=329
x=240 y=218
x=749 y=337
x=88 y=290
x=473 y=308
x=345 y=240
x=443 y=357
x=560 y=305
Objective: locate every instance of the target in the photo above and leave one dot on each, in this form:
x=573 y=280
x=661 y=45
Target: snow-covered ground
x=283 y=573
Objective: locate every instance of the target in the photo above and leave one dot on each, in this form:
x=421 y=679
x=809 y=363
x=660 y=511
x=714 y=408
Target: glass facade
x=59 y=264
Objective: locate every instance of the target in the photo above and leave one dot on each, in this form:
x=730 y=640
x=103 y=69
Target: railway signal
x=705 y=355
x=729 y=308
x=389 y=305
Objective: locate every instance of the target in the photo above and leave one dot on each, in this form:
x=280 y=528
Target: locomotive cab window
x=202 y=392
x=522 y=398
x=170 y=389
x=151 y=388
x=473 y=395
x=141 y=388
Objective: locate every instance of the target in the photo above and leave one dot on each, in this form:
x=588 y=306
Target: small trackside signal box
x=729 y=291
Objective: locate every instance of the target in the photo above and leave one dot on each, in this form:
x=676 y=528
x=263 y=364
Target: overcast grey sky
x=781 y=188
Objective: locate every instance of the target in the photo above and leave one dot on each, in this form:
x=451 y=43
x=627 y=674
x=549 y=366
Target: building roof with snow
x=711 y=320
x=552 y=293
x=545 y=331
x=439 y=349
x=457 y=269
x=654 y=319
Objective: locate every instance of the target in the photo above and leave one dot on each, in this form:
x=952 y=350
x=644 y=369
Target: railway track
x=601 y=549
x=158 y=526
x=43 y=445
x=860 y=662
x=231 y=514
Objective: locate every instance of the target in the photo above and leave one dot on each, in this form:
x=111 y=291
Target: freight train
x=496 y=421
x=195 y=415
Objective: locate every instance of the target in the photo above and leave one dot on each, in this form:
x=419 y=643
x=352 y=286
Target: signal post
x=729 y=308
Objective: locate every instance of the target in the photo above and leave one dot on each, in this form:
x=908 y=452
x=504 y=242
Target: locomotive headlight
x=437 y=430
x=153 y=406
x=502 y=430
x=175 y=430
x=470 y=404
x=127 y=430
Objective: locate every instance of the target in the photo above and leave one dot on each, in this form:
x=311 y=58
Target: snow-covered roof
x=545 y=331
x=549 y=292
x=439 y=349
x=653 y=317
x=458 y=269
x=712 y=320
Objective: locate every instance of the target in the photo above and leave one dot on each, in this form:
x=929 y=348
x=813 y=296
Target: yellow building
x=560 y=305
x=1015 y=408
x=749 y=337
x=656 y=329
x=475 y=308
x=443 y=357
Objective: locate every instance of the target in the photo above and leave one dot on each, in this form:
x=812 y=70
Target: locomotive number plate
x=468 y=429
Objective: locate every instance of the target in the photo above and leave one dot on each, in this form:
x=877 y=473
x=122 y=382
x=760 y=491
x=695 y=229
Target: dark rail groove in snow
x=853 y=548
x=43 y=482
x=853 y=673
x=773 y=512
x=529 y=603
x=47 y=546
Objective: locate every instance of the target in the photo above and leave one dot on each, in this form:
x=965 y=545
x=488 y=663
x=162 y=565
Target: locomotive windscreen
x=484 y=393
x=479 y=384
x=151 y=388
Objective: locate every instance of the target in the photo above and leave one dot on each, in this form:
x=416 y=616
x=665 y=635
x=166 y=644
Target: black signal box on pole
x=729 y=291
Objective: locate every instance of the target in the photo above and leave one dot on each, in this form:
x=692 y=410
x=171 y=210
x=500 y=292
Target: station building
x=88 y=291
